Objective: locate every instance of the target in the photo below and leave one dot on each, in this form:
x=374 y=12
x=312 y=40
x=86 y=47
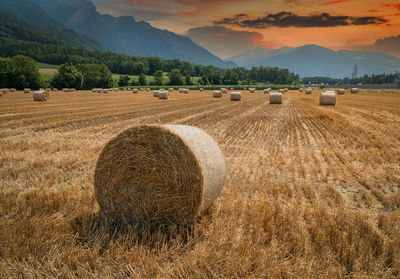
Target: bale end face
x=158 y=174
x=236 y=96
x=327 y=99
x=275 y=98
x=40 y=96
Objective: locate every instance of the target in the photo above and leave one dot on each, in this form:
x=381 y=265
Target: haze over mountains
x=118 y=34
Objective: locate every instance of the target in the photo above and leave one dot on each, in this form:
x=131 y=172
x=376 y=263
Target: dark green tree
x=68 y=76
x=95 y=76
x=188 y=80
x=142 y=79
x=158 y=77
x=19 y=72
x=176 y=78
x=124 y=80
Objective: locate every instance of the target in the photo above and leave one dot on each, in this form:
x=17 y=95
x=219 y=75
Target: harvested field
x=311 y=191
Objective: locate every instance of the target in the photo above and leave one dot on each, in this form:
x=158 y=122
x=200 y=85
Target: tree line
x=136 y=65
x=366 y=79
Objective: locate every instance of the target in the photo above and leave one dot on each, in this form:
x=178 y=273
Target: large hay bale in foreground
x=162 y=94
x=236 y=96
x=40 y=96
x=275 y=98
x=158 y=174
x=354 y=90
x=341 y=91
x=217 y=94
x=327 y=98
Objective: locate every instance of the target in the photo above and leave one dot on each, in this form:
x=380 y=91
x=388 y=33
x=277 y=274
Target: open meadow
x=311 y=192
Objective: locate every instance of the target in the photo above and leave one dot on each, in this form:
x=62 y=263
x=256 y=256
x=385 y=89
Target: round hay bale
x=135 y=91
x=285 y=90
x=162 y=94
x=170 y=89
x=105 y=91
x=155 y=93
x=27 y=90
x=100 y=90
x=308 y=90
x=266 y=91
x=201 y=89
x=301 y=90
x=327 y=98
x=276 y=98
x=185 y=91
x=165 y=174
x=13 y=89
x=282 y=90
x=55 y=89
x=4 y=91
x=147 y=89
x=224 y=90
x=217 y=94
x=40 y=96
x=340 y=91
x=252 y=90
x=94 y=90
x=236 y=96
x=354 y=90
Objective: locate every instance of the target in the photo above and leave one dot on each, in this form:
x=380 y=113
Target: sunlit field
x=312 y=191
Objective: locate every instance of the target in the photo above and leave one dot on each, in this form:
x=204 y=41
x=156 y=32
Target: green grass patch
x=46 y=66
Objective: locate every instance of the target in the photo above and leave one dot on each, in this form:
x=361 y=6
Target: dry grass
x=312 y=192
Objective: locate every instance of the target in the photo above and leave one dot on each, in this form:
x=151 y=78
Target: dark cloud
x=289 y=19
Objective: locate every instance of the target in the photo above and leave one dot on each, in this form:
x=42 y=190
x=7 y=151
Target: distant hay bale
x=55 y=89
x=94 y=90
x=180 y=90
x=327 y=98
x=354 y=90
x=252 y=90
x=285 y=89
x=201 y=89
x=301 y=90
x=217 y=94
x=266 y=91
x=40 y=96
x=155 y=93
x=135 y=91
x=147 y=89
x=185 y=91
x=141 y=89
x=99 y=90
x=282 y=90
x=275 y=98
x=170 y=89
x=236 y=96
x=162 y=94
x=340 y=91
x=27 y=90
x=224 y=90
x=308 y=90
x=65 y=89
x=162 y=175
x=4 y=91
x=13 y=89
x=105 y=91
x=232 y=88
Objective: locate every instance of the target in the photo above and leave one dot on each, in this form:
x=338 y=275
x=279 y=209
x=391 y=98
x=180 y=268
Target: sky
x=229 y=27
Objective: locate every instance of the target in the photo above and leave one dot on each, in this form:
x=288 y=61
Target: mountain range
x=313 y=60
x=117 y=34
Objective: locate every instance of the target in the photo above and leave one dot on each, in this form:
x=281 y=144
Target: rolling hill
x=121 y=35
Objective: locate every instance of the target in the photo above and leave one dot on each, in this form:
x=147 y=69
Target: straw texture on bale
x=163 y=94
x=217 y=94
x=341 y=91
x=327 y=99
x=275 y=98
x=308 y=91
x=236 y=96
x=158 y=174
x=40 y=96
x=354 y=90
